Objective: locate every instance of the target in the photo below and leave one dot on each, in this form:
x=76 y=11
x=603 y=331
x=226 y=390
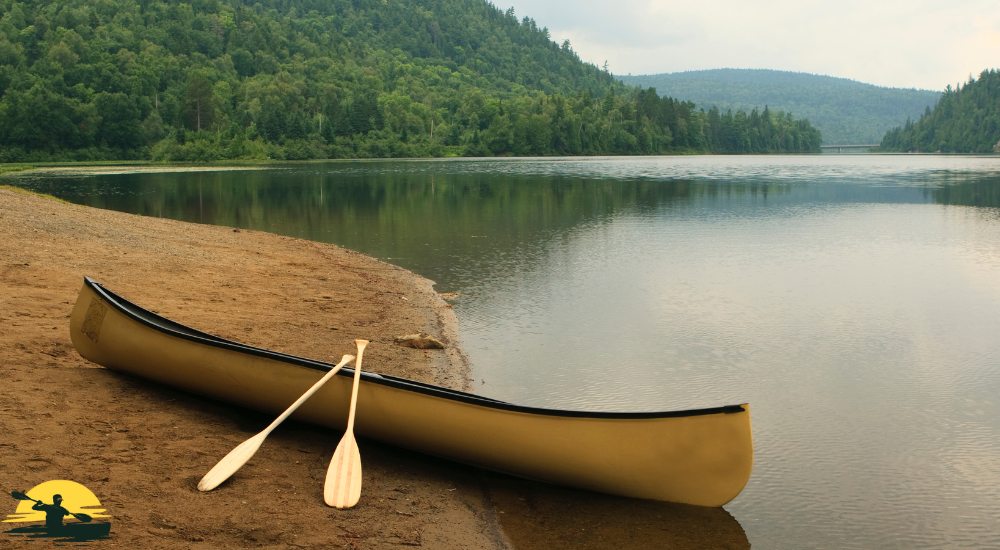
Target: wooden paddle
x=343 y=477
x=244 y=451
x=21 y=496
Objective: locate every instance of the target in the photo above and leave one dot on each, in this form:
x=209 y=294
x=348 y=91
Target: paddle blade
x=230 y=463
x=20 y=496
x=343 y=478
x=83 y=517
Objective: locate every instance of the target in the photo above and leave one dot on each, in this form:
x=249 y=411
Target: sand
x=142 y=447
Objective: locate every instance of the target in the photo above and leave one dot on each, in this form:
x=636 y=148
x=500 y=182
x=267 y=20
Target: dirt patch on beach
x=141 y=447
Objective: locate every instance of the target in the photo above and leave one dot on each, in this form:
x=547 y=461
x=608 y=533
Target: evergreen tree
x=965 y=120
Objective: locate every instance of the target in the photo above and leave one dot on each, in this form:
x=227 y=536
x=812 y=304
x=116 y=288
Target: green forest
x=965 y=120
x=845 y=111
x=298 y=79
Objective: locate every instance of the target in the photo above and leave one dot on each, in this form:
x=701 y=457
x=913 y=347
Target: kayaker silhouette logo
x=69 y=512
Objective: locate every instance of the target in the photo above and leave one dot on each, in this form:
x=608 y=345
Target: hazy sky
x=902 y=43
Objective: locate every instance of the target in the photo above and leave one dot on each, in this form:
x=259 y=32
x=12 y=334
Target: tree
x=40 y=119
x=120 y=125
x=199 y=102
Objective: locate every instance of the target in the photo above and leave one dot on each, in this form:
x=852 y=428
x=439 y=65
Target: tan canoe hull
x=699 y=457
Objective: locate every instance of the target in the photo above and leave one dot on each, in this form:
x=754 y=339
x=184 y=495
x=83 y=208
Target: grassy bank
x=7 y=168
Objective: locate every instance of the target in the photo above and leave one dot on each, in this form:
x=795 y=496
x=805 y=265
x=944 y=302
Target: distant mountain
x=845 y=111
x=965 y=120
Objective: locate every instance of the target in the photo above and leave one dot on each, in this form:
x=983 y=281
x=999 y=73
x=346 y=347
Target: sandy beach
x=142 y=447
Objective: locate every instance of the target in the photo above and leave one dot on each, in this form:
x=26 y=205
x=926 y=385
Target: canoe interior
x=166 y=325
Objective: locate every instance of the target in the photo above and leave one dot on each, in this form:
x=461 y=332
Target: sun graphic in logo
x=76 y=499
x=52 y=502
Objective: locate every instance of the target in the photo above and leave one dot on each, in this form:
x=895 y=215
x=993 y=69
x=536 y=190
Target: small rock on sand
x=420 y=341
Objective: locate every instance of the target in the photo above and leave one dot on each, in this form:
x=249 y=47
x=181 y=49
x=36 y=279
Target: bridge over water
x=840 y=148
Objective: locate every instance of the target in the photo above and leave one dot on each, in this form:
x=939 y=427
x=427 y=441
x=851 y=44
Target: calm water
x=854 y=301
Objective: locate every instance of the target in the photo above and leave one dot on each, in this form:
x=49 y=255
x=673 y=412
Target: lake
x=854 y=301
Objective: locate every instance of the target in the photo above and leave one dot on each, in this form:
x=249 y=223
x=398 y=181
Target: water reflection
x=433 y=217
x=983 y=193
x=536 y=516
x=444 y=224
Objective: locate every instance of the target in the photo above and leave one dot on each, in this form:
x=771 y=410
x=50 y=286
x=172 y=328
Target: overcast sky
x=901 y=43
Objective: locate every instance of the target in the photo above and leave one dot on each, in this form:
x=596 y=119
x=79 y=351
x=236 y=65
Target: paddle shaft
x=357 y=380
x=315 y=387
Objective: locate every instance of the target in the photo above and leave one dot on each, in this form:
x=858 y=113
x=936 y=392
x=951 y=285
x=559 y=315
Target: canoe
x=702 y=457
x=72 y=531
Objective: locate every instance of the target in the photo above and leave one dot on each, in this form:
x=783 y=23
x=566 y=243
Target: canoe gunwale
x=172 y=328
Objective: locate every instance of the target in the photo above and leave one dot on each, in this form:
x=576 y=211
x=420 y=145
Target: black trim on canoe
x=171 y=328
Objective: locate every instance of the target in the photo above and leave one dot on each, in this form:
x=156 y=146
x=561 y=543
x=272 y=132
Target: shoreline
x=112 y=167
x=140 y=447
x=115 y=167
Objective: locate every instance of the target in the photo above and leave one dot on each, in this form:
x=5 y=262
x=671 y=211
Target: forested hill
x=295 y=79
x=845 y=111
x=965 y=120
